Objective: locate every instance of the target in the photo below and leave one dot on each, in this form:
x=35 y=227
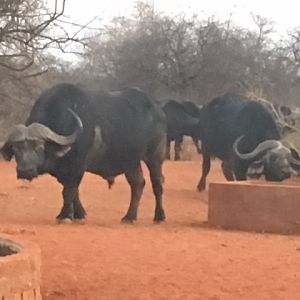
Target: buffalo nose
x=285 y=174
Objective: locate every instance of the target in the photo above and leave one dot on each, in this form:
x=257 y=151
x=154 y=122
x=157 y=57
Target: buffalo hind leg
x=168 y=149
x=196 y=142
x=205 y=170
x=137 y=182
x=177 y=147
x=157 y=180
x=154 y=160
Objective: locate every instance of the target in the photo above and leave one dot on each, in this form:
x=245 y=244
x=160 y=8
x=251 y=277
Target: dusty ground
x=181 y=259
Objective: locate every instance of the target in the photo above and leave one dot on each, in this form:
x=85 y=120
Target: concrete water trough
x=19 y=269
x=255 y=206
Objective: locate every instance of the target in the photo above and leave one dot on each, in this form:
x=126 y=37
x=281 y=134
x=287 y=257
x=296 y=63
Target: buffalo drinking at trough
x=70 y=131
x=244 y=135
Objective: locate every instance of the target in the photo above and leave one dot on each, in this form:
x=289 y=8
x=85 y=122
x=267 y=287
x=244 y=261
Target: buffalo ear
x=295 y=153
x=6 y=150
x=295 y=160
x=256 y=169
x=287 y=129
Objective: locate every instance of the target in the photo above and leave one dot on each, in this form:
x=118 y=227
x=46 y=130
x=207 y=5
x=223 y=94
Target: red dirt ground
x=181 y=259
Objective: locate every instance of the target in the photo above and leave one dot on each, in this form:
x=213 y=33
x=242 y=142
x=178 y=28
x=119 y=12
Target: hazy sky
x=285 y=14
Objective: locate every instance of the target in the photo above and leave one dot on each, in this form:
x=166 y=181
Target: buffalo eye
x=17 y=147
x=38 y=146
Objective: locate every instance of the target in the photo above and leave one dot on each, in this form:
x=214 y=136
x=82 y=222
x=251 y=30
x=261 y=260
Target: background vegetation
x=179 y=57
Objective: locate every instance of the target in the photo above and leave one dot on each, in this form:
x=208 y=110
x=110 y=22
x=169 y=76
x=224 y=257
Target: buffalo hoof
x=80 y=221
x=159 y=217
x=79 y=213
x=128 y=220
x=64 y=221
x=158 y=221
x=200 y=187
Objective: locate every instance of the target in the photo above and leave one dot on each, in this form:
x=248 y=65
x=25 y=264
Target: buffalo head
x=270 y=158
x=30 y=146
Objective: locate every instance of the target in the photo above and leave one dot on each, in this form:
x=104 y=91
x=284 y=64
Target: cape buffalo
x=244 y=135
x=182 y=120
x=71 y=130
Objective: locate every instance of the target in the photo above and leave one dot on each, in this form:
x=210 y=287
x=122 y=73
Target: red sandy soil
x=180 y=259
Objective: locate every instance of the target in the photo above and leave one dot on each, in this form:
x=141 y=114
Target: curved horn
x=262 y=147
x=295 y=162
x=42 y=131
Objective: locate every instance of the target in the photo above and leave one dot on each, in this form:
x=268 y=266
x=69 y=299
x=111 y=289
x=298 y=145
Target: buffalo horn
x=295 y=162
x=262 y=147
x=44 y=132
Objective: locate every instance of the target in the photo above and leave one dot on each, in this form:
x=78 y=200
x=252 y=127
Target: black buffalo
x=194 y=110
x=244 y=135
x=182 y=119
x=70 y=131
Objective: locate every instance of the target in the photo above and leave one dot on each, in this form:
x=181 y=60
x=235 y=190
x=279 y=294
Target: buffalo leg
x=157 y=179
x=69 y=196
x=154 y=161
x=227 y=171
x=177 y=147
x=196 y=142
x=205 y=170
x=240 y=173
x=168 y=149
x=137 y=182
x=240 y=169
x=79 y=211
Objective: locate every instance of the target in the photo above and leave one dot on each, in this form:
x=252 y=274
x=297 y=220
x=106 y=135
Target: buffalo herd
x=71 y=130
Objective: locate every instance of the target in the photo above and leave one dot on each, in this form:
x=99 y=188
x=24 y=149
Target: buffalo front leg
x=72 y=208
x=79 y=211
x=205 y=171
x=227 y=171
x=137 y=182
x=240 y=171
